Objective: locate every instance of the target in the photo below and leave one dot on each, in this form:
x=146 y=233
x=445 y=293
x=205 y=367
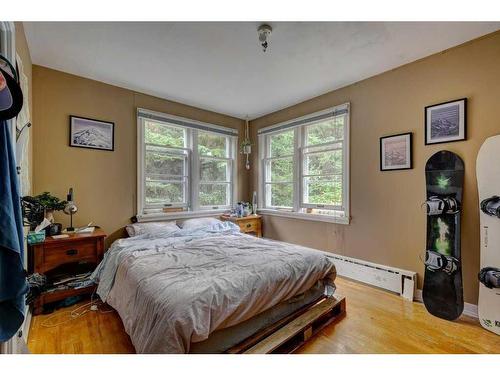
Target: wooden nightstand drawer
x=250 y=226
x=57 y=254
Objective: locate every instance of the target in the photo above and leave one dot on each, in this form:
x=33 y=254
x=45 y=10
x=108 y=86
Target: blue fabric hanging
x=13 y=285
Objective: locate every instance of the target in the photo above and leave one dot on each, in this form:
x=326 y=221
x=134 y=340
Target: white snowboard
x=488 y=180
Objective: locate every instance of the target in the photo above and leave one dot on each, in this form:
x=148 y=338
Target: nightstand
x=251 y=224
x=78 y=248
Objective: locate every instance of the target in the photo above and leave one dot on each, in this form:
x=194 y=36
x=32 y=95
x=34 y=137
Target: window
x=279 y=170
x=183 y=164
x=166 y=162
x=215 y=169
x=306 y=166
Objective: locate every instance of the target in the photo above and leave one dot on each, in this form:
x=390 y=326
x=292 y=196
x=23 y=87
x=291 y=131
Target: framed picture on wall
x=395 y=152
x=446 y=122
x=91 y=133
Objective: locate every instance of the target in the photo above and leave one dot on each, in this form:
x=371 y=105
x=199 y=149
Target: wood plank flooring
x=376 y=322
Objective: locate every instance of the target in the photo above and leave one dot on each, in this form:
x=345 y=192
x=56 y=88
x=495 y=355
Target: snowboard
x=442 y=292
x=488 y=180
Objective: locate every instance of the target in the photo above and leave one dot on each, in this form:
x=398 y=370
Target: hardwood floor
x=376 y=322
x=92 y=333
x=380 y=322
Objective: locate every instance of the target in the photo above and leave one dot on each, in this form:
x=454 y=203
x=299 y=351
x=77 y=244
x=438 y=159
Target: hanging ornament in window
x=246 y=146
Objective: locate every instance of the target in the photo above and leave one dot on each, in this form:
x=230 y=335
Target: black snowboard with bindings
x=442 y=292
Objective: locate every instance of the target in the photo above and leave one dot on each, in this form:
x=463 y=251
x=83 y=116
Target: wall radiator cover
x=393 y=279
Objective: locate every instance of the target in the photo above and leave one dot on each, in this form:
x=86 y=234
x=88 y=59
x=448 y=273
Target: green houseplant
x=246 y=146
x=51 y=204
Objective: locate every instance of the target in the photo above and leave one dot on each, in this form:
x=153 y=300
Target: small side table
x=251 y=224
x=52 y=253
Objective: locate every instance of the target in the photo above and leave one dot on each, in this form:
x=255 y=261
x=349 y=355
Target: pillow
x=158 y=227
x=199 y=222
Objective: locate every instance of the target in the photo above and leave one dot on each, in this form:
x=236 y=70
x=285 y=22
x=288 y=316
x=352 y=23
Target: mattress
x=222 y=340
x=176 y=290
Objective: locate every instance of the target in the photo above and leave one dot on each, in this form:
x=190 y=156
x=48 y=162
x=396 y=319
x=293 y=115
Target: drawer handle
x=249 y=225
x=71 y=252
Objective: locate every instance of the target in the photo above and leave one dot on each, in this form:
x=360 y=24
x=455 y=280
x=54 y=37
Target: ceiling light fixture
x=264 y=32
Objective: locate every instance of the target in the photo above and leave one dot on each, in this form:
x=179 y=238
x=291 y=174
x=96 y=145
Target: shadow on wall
x=116 y=235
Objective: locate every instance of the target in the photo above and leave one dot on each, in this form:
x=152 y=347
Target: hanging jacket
x=13 y=285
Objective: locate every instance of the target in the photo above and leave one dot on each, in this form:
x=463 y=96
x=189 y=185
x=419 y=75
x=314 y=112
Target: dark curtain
x=13 y=285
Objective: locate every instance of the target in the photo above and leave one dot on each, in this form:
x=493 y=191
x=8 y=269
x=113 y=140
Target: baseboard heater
x=393 y=279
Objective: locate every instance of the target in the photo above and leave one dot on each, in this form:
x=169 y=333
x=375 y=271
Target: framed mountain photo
x=395 y=152
x=446 y=122
x=91 y=133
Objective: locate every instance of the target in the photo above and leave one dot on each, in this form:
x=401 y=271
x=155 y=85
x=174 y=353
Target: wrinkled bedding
x=176 y=289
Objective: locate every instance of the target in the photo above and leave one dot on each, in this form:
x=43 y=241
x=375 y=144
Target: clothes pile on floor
x=77 y=281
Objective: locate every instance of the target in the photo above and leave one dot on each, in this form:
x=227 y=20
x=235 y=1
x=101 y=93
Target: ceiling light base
x=264 y=32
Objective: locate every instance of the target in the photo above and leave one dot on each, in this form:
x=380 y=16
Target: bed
x=205 y=289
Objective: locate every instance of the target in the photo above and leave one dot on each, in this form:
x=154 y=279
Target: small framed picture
x=446 y=122
x=395 y=152
x=91 y=133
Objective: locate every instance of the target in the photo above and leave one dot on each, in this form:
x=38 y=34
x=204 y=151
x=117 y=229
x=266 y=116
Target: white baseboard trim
x=27 y=324
x=470 y=310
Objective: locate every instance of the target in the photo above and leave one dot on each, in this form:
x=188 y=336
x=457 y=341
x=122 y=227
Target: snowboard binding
x=491 y=206
x=435 y=261
x=437 y=206
x=490 y=277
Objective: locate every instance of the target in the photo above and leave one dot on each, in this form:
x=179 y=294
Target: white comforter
x=177 y=289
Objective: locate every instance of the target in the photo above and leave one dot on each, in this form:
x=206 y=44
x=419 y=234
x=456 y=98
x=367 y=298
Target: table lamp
x=70 y=209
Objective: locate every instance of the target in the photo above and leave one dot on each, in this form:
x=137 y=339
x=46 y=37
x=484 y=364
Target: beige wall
x=104 y=182
x=388 y=225
x=24 y=53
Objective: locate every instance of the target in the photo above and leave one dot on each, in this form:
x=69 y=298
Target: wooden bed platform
x=291 y=332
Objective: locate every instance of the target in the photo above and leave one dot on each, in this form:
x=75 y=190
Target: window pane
x=326 y=131
x=213 y=194
x=280 y=170
x=323 y=190
x=210 y=144
x=213 y=170
x=159 y=163
x=321 y=163
x=281 y=195
x=164 y=192
x=164 y=135
x=282 y=143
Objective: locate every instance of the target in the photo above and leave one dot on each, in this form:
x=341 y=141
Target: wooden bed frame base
x=293 y=331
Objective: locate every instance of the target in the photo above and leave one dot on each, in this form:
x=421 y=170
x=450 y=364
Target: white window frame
x=181 y=152
x=341 y=213
x=231 y=172
x=191 y=204
x=266 y=159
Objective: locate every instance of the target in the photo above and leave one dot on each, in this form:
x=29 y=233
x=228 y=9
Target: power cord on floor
x=74 y=314
x=92 y=306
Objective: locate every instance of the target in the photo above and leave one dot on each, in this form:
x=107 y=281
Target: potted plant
x=33 y=206
x=246 y=149
x=246 y=146
x=50 y=204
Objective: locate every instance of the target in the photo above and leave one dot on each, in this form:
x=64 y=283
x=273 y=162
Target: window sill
x=163 y=216
x=304 y=216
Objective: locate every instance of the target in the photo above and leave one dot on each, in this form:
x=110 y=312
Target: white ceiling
x=220 y=66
